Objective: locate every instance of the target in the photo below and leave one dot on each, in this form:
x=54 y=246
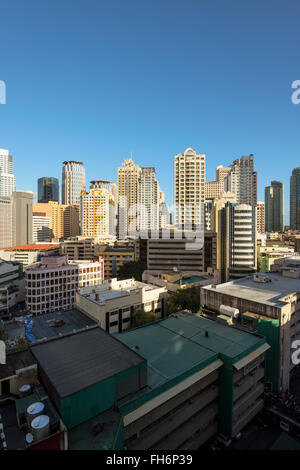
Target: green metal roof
x=169 y=354
x=219 y=338
x=285 y=442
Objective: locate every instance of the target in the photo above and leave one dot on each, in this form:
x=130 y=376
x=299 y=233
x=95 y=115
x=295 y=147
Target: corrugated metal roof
x=78 y=361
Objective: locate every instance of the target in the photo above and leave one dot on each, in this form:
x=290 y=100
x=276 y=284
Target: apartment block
x=242 y=180
x=260 y=217
x=78 y=248
x=189 y=189
x=114 y=257
x=213 y=189
x=97 y=213
x=128 y=177
x=51 y=285
x=112 y=303
x=64 y=219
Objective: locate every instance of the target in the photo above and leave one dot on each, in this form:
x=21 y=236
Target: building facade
x=41 y=228
x=148 y=200
x=7 y=178
x=274 y=207
x=97 y=213
x=114 y=257
x=242 y=180
x=64 y=221
x=295 y=199
x=260 y=217
x=189 y=189
x=73 y=182
x=128 y=178
x=22 y=218
x=48 y=189
x=6 y=237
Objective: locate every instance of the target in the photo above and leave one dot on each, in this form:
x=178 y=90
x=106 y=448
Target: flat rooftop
x=78 y=361
x=113 y=293
x=271 y=293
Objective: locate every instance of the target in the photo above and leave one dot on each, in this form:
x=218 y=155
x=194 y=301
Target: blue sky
x=95 y=81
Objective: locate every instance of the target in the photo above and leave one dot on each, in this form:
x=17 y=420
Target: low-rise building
x=114 y=257
x=51 y=285
x=269 y=304
x=78 y=248
x=268 y=254
x=170 y=385
x=113 y=303
x=12 y=285
x=173 y=280
x=29 y=254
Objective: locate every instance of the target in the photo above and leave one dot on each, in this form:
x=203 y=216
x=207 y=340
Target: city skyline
x=221 y=91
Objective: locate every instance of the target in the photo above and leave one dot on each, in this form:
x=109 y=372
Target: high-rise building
x=295 y=199
x=274 y=207
x=22 y=217
x=189 y=189
x=97 y=212
x=213 y=189
x=237 y=232
x=6 y=238
x=41 y=228
x=148 y=200
x=64 y=218
x=242 y=180
x=48 y=189
x=7 y=178
x=128 y=177
x=260 y=217
x=73 y=182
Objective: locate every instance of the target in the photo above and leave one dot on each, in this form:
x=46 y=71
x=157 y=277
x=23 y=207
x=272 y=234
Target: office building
x=268 y=254
x=112 y=303
x=236 y=240
x=148 y=199
x=269 y=303
x=128 y=178
x=79 y=248
x=189 y=189
x=12 y=285
x=295 y=199
x=41 y=228
x=114 y=257
x=7 y=178
x=242 y=180
x=164 y=254
x=73 y=182
x=6 y=237
x=51 y=285
x=260 y=217
x=274 y=207
x=22 y=217
x=48 y=189
x=213 y=189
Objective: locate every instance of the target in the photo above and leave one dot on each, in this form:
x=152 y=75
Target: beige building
x=78 y=248
x=112 y=303
x=6 y=238
x=29 y=254
x=64 y=219
x=213 y=189
x=73 y=182
x=128 y=177
x=189 y=188
x=260 y=217
x=22 y=217
x=51 y=285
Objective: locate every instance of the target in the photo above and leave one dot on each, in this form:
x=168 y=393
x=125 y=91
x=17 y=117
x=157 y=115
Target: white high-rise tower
x=7 y=178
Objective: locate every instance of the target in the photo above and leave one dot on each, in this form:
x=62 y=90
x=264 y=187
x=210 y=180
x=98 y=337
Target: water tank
x=29 y=438
x=25 y=390
x=34 y=410
x=40 y=427
x=229 y=311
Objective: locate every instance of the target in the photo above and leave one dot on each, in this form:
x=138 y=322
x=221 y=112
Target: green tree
x=132 y=269
x=184 y=299
x=140 y=318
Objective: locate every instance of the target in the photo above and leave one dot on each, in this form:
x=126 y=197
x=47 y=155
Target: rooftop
x=78 y=361
x=272 y=293
x=16 y=361
x=32 y=247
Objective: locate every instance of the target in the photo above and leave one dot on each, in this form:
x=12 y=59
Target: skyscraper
x=5 y=222
x=73 y=182
x=128 y=177
x=213 y=189
x=148 y=200
x=7 y=178
x=237 y=233
x=48 y=189
x=22 y=217
x=260 y=217
x=242 y=180
x=189 y=189
x=295 y=199
x=274 y=207
x=97 y=211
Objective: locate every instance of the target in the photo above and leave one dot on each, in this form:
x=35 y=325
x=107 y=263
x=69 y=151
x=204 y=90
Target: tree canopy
x=184 y=299
x=132 y=269
x=140 y=318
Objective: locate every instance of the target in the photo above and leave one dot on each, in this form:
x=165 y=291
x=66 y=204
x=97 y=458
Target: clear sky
x=95 y=80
